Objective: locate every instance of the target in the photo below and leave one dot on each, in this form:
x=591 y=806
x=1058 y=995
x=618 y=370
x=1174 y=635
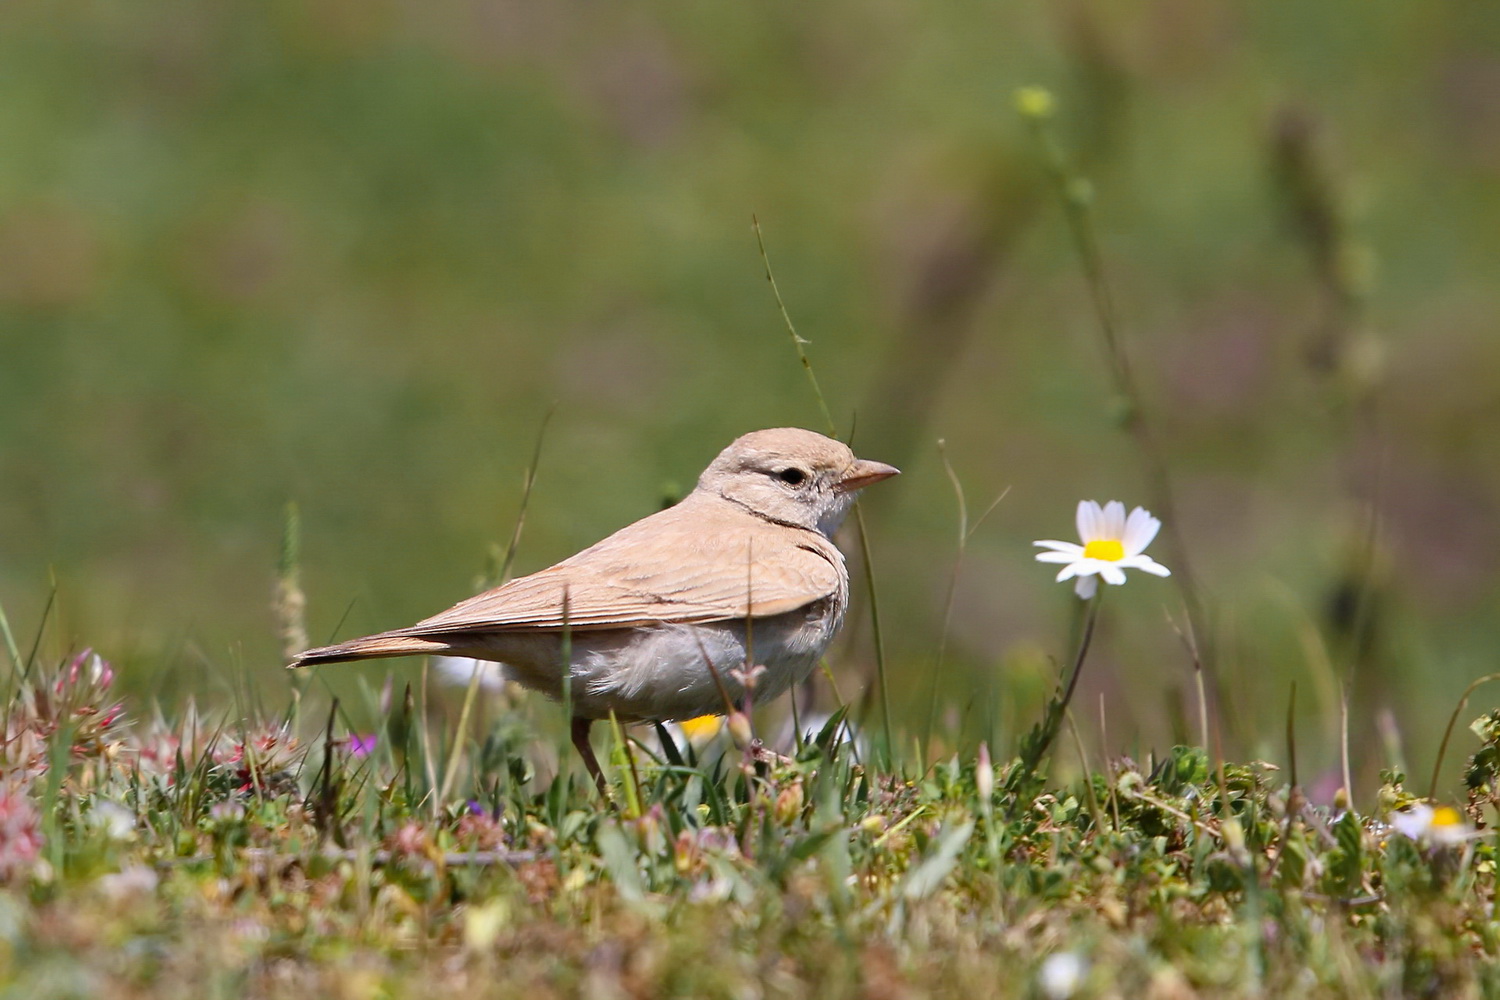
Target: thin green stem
x=1437 y=765
x=869 y=575
x=1344 y=743
x=450 y=772
x=563 y=755
x=1076 y=195
x=10 y=645
x=1040 y=740
x=797 y=342
x=425 y=730
x=515 y=536
x=1095 y=812
x=965 y=532
x=798 y=345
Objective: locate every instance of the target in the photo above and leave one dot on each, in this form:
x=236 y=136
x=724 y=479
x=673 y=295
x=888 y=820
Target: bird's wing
x=690 y=563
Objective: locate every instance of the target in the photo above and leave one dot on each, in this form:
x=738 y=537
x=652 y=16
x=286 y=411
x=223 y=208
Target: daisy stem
x=1083 y=648
x=1076 y=194
x=1039 y=741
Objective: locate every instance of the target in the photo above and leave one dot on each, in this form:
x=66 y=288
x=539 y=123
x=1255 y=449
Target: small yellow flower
x=701 y=730
x=1112 y=543
x=1035 y=102
x=703 y=734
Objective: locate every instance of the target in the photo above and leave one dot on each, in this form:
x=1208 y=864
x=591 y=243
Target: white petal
x=1145 y=564
x=1089 y=520
x=1114 y=520
x=1140 y=529
x=1069 y=571
x=1453 y=834
x=1061 y=546
x=1085 y=587
x=1112 y=573
x=1413 y=822
x=1057 y=557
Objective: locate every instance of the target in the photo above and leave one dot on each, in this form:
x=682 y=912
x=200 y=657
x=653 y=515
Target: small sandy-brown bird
x=661 y=615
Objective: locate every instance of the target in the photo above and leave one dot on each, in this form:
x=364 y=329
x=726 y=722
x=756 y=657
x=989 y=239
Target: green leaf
x=925 y=879
x=812 y=843
x=1185 y=767
x=1346 y=860
x=619 y=860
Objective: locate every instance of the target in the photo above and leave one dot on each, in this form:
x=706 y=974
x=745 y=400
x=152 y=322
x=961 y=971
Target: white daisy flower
x=1442 y=826
x=1112 y=543
x=1062 y=973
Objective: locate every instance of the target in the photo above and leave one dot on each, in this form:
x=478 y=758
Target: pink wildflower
x=20 y=831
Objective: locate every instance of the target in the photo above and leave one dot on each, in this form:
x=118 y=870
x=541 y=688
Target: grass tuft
x=142 y=854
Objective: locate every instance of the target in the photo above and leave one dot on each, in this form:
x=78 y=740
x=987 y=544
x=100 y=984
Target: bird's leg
x=586 y=751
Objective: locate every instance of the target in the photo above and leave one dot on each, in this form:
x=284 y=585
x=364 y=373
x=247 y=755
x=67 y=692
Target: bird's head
x=792 y=476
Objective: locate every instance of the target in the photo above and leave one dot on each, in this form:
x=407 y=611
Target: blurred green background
x=349 y=254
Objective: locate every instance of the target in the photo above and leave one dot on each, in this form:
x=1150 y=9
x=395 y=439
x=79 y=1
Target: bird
x=738 y=586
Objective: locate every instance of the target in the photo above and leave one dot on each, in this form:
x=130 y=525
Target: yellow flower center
x=1108 y=549
x=1446 y=816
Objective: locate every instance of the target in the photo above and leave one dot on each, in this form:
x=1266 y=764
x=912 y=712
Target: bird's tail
x=372 y=647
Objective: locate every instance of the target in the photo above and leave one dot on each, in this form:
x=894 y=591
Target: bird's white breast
x=668 y=671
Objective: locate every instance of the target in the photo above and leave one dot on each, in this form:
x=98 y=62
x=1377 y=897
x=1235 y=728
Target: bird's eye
x=792 y=476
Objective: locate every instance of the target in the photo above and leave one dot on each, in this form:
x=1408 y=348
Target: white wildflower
x=117 y=822
x=133 y=880
x=1442 y=826
x=1061 y=975
x=1111 y=544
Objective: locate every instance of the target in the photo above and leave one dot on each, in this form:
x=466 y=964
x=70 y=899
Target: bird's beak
x=864 y=472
